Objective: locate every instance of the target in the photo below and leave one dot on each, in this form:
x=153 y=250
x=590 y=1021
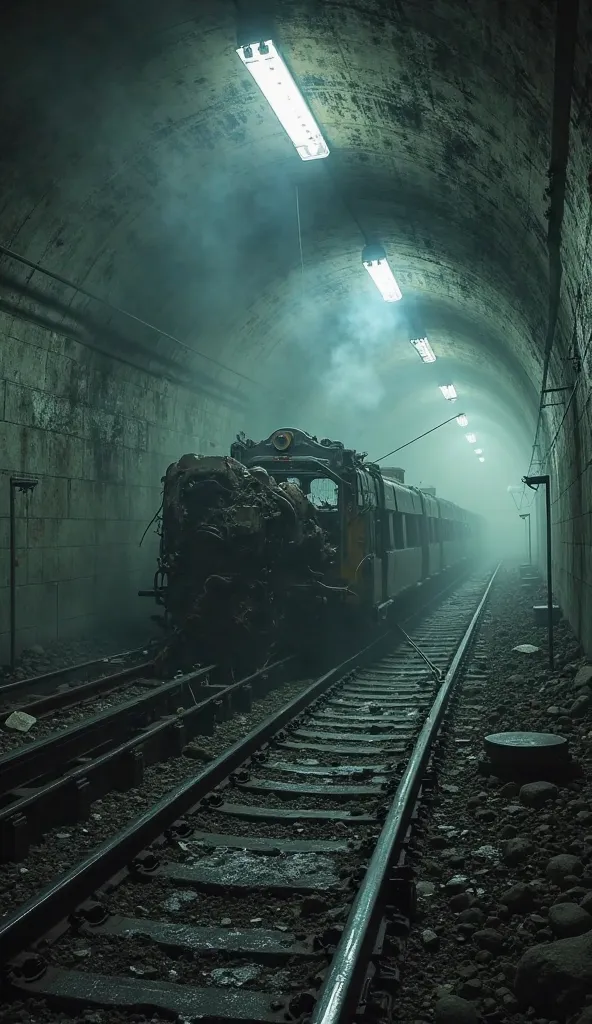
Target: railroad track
x=55 y=780
x=63 y=687
x=271 y=886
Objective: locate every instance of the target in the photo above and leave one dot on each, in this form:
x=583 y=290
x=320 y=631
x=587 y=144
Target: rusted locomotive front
x=240 y=563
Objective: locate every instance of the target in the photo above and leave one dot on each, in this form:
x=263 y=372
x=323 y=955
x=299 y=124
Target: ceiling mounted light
x=471 y=438
x=478 y=451
x=463 y=421
x=481 y=459
x=424 y=349
x=449 y=392
x=270 y=73
x=376 y=263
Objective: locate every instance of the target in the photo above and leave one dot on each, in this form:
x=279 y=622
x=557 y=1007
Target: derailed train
x=289 y=537
x=388 y=536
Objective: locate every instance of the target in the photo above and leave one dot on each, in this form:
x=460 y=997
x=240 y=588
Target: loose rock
x=519 y=899
x=456 y=884
x=20 y=721
x=516 y=850
x=562 y=866
x=556 y=976
x=580 y=705
x=461 y=901
x=431 y=940
x=454 y=1010
x=586 y=903
x=489 y=939
x=485 y=815
x=567 y=919
x=537 y=794
x=196 y=752
x=584 y=676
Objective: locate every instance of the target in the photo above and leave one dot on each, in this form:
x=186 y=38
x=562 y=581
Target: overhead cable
x=4 y=250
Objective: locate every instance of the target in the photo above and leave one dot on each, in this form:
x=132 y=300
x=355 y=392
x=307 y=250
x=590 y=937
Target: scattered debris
x=236 y=976
x=20 y=721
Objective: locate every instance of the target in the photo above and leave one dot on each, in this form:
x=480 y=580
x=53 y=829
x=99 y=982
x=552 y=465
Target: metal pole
x=549 y=574
x=24 y=485
x=534 y=481
x=12 y=578
x=524 y=516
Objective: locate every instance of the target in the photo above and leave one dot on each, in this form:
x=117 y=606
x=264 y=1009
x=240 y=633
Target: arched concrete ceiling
x=140 y=161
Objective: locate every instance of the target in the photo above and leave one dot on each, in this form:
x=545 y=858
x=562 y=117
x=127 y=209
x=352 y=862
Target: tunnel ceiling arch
x=153 y=173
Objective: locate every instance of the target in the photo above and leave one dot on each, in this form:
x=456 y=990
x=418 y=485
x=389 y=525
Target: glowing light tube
x=449 y=392
x=471 y=438
x=376 y=263
x=424 y=350
x=269 y=71
x=463 y=421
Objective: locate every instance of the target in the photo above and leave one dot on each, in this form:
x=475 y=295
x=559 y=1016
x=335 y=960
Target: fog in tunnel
x=223 y=281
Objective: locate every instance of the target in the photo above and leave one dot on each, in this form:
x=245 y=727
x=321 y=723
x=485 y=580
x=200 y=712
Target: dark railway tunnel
x=141 y=163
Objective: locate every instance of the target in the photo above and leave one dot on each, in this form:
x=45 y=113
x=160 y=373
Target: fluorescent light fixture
x=481 y=459
x=478 y=451
x=270 y=73
x=471 y=438
x=376 y=263
x=424 y=349
x=449 y=392
x=463 y=421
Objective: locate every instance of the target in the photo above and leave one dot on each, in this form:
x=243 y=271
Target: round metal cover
x=525 y=739
x=525 y=751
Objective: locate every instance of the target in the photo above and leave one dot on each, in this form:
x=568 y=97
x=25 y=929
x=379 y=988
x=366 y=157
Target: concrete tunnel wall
x=98 y=435
x=440 y=125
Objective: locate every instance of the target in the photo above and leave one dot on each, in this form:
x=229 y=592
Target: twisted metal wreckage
x=241 y=564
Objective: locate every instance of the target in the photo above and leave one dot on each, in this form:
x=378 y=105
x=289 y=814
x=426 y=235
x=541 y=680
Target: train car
x=389 y=537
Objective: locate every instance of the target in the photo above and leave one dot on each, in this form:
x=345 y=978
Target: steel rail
x=339 y=995
x=33 y=684
x=84 y=690
x=68 y=798
x=45 y=910
x=27 y=762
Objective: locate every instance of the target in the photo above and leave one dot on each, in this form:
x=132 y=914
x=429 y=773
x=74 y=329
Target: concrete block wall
x=99 y=435
x=568 y=423
x=571 y=516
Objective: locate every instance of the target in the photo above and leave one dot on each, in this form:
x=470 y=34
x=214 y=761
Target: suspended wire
x=300 y=237
x=123 y=312
x=418 y=438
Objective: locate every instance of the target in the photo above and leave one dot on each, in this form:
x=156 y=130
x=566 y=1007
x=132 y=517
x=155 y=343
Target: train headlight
x=282 y=440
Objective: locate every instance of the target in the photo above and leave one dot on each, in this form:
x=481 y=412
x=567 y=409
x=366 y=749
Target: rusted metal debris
x=242 y=559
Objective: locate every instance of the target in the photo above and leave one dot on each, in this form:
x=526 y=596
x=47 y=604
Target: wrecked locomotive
x=261 y=549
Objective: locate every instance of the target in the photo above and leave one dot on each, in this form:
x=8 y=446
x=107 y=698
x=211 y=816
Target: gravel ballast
x=505 y=869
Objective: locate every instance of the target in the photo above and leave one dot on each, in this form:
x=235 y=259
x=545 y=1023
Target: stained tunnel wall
x=566 y=438
x=98 y=434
